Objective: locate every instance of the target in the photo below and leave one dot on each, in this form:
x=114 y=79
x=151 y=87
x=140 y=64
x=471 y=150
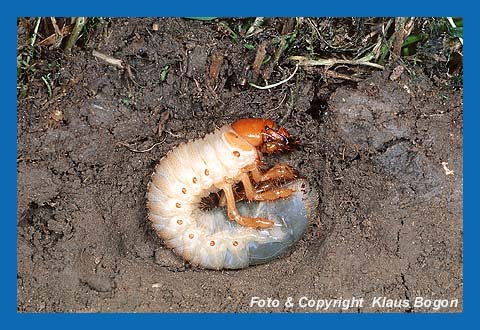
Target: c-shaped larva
x=253 y=233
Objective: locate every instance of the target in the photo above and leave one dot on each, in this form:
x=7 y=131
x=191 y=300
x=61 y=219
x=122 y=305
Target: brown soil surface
x=386 y=155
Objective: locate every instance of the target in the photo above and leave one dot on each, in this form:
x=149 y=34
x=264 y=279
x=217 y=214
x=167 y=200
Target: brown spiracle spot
x=178 y=205
x=236 y=153
x=179 y=221
x=207 y=173
x=212 y=243
x=235 y=243
x=184 y=190
x=191 y=236
x=194 y=180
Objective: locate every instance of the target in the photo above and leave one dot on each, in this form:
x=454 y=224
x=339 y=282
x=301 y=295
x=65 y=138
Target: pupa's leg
x=268 y=195
x=279 y=171
x=235 y=216
x=238 y=194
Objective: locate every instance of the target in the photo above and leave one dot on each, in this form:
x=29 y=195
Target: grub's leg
x=268 y=195
x=279 y=171
x=235 y=216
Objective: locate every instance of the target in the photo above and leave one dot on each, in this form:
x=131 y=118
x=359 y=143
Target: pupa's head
x=264 y=135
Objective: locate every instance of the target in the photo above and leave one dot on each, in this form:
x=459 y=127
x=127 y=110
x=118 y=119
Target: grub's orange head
x=262 y=134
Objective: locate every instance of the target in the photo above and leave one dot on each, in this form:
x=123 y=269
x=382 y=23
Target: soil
x=386 y=154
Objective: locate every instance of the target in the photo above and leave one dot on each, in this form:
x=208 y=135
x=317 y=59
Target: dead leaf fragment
x=215 y=65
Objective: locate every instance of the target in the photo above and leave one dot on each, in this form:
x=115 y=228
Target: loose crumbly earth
x=386 y=156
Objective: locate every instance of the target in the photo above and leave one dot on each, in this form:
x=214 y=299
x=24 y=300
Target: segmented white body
x=207 y=238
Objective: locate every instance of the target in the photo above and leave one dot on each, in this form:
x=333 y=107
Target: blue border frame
x=244 y=8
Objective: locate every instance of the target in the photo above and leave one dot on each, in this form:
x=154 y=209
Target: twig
x=108 y=59
x=403 y=28
x=334 y=74
x=278 y=83
x=332 y=61
x=128 y=72
x=259 y=57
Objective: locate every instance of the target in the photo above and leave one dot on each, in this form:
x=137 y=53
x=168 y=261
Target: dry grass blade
x=56 y=38
x=304 y=61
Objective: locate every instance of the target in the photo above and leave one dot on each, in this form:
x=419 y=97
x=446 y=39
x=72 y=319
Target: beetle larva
x=253 y=233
